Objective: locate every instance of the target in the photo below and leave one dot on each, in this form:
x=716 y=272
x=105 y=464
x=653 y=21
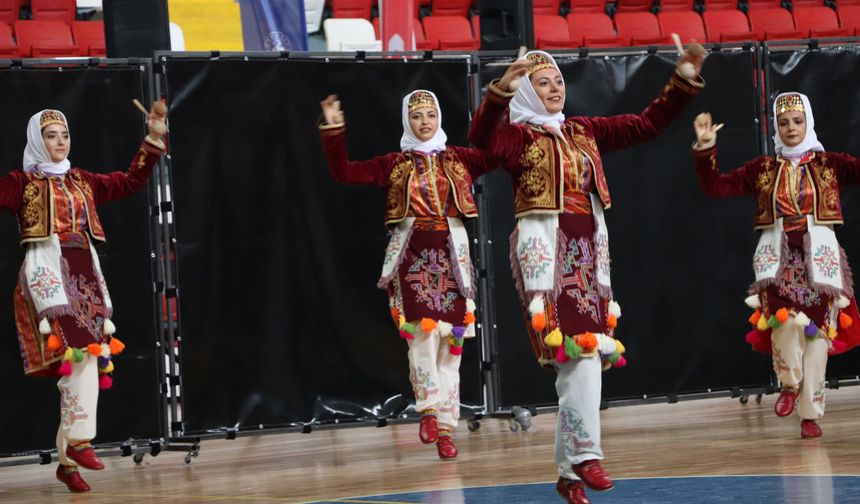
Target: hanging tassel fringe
x=105 y=382
x=554 y=338
x=109 y=328
x=65 y=368
x=116 y=346
x=44 y=327
x=53 y=343
x=753 y=301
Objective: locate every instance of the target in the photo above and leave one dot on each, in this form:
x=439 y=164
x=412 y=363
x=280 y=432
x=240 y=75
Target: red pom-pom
x=53 y=343
x=116 y=346
x=561 y=356
x=753 y=338
x=539 y=321
x=612 y=321
x=469 y=318
x=105 y=382
x=455 y=350
x=781 y=315
x=621 y=362
x=65 y=368
x=754 y=317
x=94 y=349
x=405 y=335
x=845 y=320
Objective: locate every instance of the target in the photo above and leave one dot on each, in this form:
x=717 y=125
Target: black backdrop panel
x=277 y=262
x=681 y=261
x=829 y=78
x=106 y=132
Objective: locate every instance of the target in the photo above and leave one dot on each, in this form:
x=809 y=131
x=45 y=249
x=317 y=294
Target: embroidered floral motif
x=818 y=395
x=44 y=282
x=534 y=257
x=395 y=245
x=422 y=385
x=430 y=277
x=601 y=260
x=779 y=364
x=795 y=285
x=87 y=305
x=70 y=409
x=826 y=261
x=573 y=433
x=452 y=402
x=578 y=274
x=463 y=256
x=765 y=258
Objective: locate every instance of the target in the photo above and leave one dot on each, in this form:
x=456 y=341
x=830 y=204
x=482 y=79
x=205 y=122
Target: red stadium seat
x=44 y=39
x=451 y=7
x=719 y=5
x=634 y=5
x=593 y=29
x=764 y=4
x=351 y=8
x=821 y=20
x=8 y=49
x=773 y=24
x=688 y=25
x=452 y=32
x=9 y=11
x=578 y=6
x=726 y=23
x=639 y=28
x=551 y=32
x=544 y=7
x=849 y=16
x=54 y=10
x=676 y=6
x=740 y=37
x=90 y=37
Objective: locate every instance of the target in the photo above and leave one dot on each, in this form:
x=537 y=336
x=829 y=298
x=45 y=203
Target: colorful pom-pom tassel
x=615 y=309
x=69 y=355
x=469 y=318
x=395 y=314
x=619 y=348
x=611 y=321
x=65 y=368
x=802 y=319
x=755 y=317
x=44 y=327
x=571 y=348
x=539 y=321
x=444 y=328
x=843 y=302
x=470 y=305
x=409 y=328
x=554 y=338
x=103 y=362
x=753 y=301
x=560 y=355
x=401 y=321
x=105 y=382
x=109 y=328
x=427 y=325
x=587 y=341
x=116 y=346
x=458 y=331
x=621 y=362
x=831 y=333
x=536 y=305
x=455 y=350
x=53 y=343
x=406 y=335
x=78 y=355
x=108 y=369
x=811 y=330
x=772 y=322
x=94 y=349
x=753 y=338
x=845 y=320
x=839 y=346
x=613 y=358
x=762 y=325
x=782 y=315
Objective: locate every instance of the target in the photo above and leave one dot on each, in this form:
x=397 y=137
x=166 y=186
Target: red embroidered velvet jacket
x=394 y=172
x=532 y=155
x=31 y=197
x=759 y=177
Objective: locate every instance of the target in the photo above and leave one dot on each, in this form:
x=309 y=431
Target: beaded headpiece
x=540 y=62
x=789 y=103
x=49 y=117
x=421 y=99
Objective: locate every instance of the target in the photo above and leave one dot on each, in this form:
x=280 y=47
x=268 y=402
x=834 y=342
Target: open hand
x=331 y=110
x=518 y=69
x=156 y=120
x=706 y=131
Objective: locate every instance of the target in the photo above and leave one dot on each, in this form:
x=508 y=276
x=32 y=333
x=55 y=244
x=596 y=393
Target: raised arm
x=718 y=185
x=11 y=190
x=847 y=168
x=475 y=160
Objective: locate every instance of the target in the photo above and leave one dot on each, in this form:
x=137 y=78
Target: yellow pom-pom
x=554 y=339
x=469 y=318
x=53 y=343
x=539 y=321
x=109 y=368
x=587 y=341
x=845 y=320
x=619 y=347
x=754 y=317
x=782 y=315
x=612 y=321
x=70 y=354
x=94 y=349
x=761 y=325
x=427 y=325
x=116 y=346
x=400 y=321
x=831 y=333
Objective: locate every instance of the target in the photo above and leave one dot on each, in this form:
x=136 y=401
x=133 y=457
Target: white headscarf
x=410 y=142
x=36 y=155
x=526 y=107
x=810 y=141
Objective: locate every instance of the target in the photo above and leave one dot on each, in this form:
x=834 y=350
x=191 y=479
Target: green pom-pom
x=773 y=322
x=410 y=328
x=78 y=355
x=571 y=348
x=612 y=359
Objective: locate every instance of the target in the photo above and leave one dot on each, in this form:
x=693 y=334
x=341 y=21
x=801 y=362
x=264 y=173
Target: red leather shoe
x=86 y=457
x=72 y=479
x=592 y=474
x=785 y=402
x=809 y=429
x=428 y=431
x=572 y=491
x=445 y=447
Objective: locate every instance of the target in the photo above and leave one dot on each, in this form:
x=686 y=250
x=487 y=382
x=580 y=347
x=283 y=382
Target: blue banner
x=274 y=25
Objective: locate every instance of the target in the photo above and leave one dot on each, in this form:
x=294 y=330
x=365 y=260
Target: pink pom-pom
x=65 y=368
x=621 y=362
x=753 y=338
x=455 y=350
x=839 y=346
x=105 y=382
x=561 y=356
x=406 y=335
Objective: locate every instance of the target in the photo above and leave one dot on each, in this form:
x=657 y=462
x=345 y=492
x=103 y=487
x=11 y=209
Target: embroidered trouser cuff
x=577 y=435
x=801 y=363
x=79 y=396
x=435 y=376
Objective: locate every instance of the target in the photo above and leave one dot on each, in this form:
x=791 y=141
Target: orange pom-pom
x=94 y=349
x=539 y=321
x=612 y=321
x=845 y=320
x=781 y=315
x=427 y=325
x=53 y=343
x=116 y=346
x=587 y=341
x=754 y=317
x=469 y=318
x=395 y=314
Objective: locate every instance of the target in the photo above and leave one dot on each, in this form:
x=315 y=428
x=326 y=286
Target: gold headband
x=540 y=62
x=421 y=99
x=49 y=117
x=788 y=103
